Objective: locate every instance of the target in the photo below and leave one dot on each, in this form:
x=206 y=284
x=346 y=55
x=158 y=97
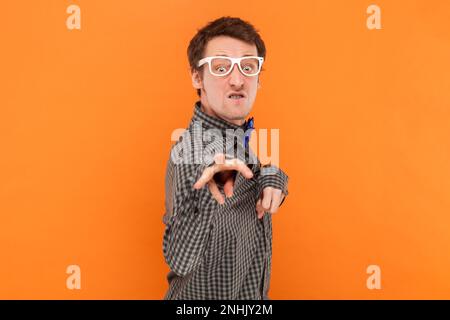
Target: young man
x=218 y=236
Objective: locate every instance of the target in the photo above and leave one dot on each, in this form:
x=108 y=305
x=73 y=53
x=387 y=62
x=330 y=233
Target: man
x=218 y=236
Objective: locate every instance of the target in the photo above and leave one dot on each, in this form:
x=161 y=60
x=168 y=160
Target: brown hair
x=225 y=26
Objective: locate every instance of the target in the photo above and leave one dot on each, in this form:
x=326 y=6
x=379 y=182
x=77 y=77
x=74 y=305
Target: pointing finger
x=267 y=197
x=276 y=199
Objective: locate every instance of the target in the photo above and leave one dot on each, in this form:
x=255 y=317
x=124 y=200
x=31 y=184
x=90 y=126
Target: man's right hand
x=225 y=168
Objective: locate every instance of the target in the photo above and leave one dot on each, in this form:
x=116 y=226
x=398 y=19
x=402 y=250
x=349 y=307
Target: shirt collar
x=210 y=122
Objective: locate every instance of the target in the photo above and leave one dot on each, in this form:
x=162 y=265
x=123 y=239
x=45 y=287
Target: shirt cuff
x=272 y=176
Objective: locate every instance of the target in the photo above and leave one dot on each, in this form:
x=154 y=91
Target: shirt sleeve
x=272 y=176
x=188 y=215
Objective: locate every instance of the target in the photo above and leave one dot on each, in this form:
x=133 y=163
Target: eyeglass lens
x=220 y=66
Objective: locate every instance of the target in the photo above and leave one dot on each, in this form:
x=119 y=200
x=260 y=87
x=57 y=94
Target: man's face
x=215 y=91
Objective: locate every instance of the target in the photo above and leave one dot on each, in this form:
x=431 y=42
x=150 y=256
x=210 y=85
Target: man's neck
x=211 y=113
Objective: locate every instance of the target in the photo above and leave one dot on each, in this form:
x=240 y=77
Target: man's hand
x=226 y=169
x=269 y=200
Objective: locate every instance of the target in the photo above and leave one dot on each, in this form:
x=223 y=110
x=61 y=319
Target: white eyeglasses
x=221 y=66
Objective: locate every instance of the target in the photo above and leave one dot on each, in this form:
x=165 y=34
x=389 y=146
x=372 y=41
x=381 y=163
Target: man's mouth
x=236 y=96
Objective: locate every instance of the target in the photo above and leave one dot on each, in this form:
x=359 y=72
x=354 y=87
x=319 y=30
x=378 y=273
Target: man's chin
x=237 y=118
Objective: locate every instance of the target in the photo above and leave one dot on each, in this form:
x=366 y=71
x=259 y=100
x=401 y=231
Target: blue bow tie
x=249 y=124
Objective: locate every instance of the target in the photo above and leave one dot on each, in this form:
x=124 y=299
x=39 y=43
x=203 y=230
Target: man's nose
x=236 y=77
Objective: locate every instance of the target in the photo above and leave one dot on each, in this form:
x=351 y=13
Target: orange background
x=85 y=123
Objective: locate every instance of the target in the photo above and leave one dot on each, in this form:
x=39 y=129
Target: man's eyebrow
x=226 y=55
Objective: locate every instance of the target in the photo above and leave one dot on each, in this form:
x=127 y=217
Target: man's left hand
x=269 y=200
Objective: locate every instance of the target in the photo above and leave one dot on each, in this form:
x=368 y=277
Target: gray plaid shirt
x=216 y=251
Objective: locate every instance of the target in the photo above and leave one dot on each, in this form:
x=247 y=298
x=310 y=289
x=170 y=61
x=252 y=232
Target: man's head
x=234 y=38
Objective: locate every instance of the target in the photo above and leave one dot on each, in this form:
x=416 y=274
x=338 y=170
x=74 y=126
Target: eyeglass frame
x=234 y=61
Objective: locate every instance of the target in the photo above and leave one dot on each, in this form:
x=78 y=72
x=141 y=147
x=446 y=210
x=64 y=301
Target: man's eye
x=221 y=69
x=248 y=68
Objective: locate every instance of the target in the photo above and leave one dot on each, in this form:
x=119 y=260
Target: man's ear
x=197 y=81
x=259 y=85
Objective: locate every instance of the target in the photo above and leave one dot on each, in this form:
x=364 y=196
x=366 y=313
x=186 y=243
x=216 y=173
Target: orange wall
x=86 y=117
